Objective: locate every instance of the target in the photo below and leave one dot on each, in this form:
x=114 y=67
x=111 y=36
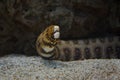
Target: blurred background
x=21 y=21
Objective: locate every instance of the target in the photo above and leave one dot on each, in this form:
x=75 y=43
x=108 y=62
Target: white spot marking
x=46 y=55
x=48 y=49
x=56 y=35
x=56 y=28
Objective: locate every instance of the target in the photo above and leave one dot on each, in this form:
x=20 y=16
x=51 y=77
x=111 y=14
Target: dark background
x=21 y=21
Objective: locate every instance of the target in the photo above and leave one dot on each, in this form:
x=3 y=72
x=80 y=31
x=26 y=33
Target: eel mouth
x=56 y=33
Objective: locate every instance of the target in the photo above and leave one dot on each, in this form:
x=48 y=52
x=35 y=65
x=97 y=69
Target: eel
x=49 y=46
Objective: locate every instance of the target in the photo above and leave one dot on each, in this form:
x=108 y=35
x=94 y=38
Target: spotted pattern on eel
x=50 y=47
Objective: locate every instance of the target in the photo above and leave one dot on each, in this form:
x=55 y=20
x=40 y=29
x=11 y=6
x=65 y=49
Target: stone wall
x=21 y=21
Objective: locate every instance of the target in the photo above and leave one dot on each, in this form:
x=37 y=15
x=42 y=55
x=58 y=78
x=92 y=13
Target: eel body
x=49 y=46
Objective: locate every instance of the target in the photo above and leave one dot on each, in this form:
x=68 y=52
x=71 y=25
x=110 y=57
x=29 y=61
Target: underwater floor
x=20 y=67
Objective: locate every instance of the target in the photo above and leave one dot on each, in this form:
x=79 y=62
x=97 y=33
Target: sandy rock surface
x=19 y=67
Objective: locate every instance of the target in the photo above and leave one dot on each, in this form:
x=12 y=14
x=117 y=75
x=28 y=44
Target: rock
x=20 y=67
x=21 y=21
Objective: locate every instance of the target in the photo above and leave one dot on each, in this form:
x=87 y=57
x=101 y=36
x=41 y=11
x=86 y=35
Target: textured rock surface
x=19 y=67
x=22 y=20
